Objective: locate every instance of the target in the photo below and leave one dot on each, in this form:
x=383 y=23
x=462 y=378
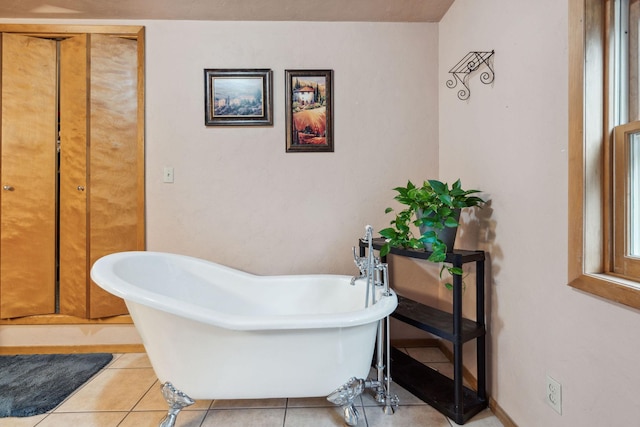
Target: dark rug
x=36 y=383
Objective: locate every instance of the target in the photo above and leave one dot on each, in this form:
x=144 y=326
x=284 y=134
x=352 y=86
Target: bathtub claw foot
x=176 y=401
x=344 y=396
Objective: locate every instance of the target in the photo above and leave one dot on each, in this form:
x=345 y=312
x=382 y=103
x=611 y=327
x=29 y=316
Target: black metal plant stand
x=449 y=396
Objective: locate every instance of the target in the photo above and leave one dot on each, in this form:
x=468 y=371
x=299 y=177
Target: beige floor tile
x=245 y=418
x=153 y=418
x=483 y=419
x=129 y=382
x=427 y=354
x=445 y=368
x=131 y=360
x=406 y=416
x=21 y=421
x=309 y=402
x=84 y=419
x=318 y=417
x=249 y=403
x=154 y=401
x=111 y=390
x=115 y=357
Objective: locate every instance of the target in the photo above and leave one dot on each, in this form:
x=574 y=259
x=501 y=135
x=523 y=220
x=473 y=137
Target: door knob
x=80 y=188
x=8 y=188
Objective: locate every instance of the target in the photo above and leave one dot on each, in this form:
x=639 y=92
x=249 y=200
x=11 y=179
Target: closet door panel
x=28 y=175
x=113 y=158
x=74 y=263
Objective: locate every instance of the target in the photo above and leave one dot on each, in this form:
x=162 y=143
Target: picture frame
x=238 y=97
x=309 y=111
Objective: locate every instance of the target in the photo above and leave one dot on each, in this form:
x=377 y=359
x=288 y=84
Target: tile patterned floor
x=127 y=394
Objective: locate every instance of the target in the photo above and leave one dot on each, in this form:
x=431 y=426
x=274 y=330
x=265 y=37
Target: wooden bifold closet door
x=28 y=170
x=91 y=85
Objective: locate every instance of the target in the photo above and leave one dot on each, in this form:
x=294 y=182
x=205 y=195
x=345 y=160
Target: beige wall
x=238 y=198
x=510 y=139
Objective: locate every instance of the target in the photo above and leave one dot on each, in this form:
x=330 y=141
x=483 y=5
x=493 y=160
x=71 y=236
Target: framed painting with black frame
x=309 y=110
x=238 y=97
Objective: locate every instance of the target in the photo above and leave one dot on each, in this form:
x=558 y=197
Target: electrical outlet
x=554 y=394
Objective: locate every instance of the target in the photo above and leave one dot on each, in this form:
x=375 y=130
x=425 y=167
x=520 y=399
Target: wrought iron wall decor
x=472 y=62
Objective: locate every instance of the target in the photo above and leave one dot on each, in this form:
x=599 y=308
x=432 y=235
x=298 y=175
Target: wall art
x=238 y=97
x=309 y=110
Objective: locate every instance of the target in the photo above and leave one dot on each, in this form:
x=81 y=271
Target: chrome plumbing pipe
x=379 y=352
x=384 y=370
x=368 y=237
x=382 y=335
x=388 y=341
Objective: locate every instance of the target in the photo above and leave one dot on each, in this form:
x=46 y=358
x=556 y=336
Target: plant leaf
x=437 y=256
x=388 y=233
x=427 y=239
x=402 y=227
x=444 y=211
x=446 y=199
x=450 y=222
x=442 y=269
x=384 y=250
x=438 y=186
x=455 y=270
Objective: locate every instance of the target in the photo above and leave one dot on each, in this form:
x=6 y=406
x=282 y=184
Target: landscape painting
x=238 y=97
x=309 y=102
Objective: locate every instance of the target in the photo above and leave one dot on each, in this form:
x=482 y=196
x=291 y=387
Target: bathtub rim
x=103 y=275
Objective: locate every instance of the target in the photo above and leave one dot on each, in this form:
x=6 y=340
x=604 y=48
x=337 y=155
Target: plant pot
x=447 y=234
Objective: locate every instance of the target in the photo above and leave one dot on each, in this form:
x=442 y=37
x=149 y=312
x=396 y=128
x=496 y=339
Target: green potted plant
x=435 y=209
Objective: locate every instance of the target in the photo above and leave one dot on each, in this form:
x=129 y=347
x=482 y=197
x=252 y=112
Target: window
x=623 y=251
x=625 y=248
x=604 y=188
x=634 y=195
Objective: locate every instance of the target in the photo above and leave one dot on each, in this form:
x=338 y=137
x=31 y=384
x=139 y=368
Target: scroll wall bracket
x=462 y=71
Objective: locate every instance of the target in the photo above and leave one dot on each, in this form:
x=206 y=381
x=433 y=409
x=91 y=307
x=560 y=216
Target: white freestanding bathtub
x=219 y=333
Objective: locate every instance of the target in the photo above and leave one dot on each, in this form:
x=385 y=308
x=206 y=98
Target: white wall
x=510 y=139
